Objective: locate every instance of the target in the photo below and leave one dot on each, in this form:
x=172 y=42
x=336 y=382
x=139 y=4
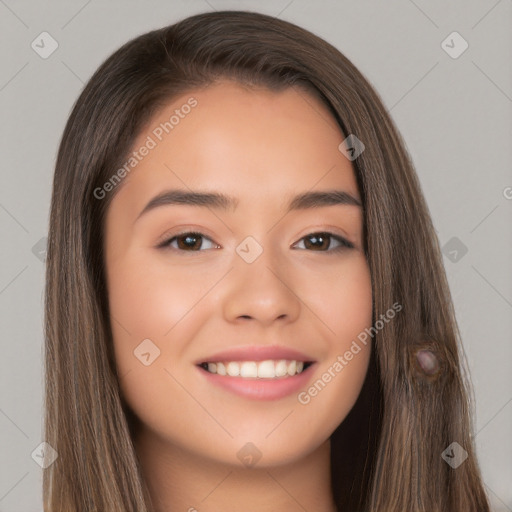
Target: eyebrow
x=219 y=201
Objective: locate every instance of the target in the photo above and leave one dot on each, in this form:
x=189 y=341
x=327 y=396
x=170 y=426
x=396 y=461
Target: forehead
x=253 y=144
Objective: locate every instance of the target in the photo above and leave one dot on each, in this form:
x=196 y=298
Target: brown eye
x=188 y=241
x=321 y=242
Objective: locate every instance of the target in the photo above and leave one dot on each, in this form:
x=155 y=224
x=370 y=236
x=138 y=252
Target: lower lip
x=260 y=389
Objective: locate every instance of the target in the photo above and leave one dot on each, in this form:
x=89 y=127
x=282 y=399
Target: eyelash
x=344 y=243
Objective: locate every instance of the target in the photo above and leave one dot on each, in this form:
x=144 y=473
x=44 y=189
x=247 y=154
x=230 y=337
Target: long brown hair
x=387 y=454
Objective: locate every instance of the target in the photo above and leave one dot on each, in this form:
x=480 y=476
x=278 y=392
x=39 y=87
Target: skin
x=261 y=147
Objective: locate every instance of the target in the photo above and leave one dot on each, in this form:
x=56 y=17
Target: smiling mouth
x=269 y=369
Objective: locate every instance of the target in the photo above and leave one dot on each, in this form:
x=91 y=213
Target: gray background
x=454 y=114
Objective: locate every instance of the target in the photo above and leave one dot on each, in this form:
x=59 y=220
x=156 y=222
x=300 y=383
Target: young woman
x=246 y=305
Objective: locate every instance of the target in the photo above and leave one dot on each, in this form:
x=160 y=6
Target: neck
x=180 y=480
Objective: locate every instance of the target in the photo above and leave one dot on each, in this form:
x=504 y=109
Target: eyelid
x=166 y=242
x=344 y=242
x=170 y=234
x=334 y=231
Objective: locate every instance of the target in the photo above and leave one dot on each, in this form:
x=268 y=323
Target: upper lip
x=256 y=353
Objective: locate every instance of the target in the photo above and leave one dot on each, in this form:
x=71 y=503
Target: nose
x=262 y=291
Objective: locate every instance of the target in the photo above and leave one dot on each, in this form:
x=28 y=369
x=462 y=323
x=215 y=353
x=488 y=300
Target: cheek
x=147 y=299
x=151 y=301
x=344 y=304
x=342 y=300
x=145 y=305
x=166 y=303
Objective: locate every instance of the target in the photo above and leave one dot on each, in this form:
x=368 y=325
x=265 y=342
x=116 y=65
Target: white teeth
x=281 y=369
x=249 y=369
x=233 y=369
x=268 y=369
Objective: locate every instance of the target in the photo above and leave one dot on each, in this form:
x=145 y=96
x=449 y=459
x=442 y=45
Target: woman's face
x=259 y=283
